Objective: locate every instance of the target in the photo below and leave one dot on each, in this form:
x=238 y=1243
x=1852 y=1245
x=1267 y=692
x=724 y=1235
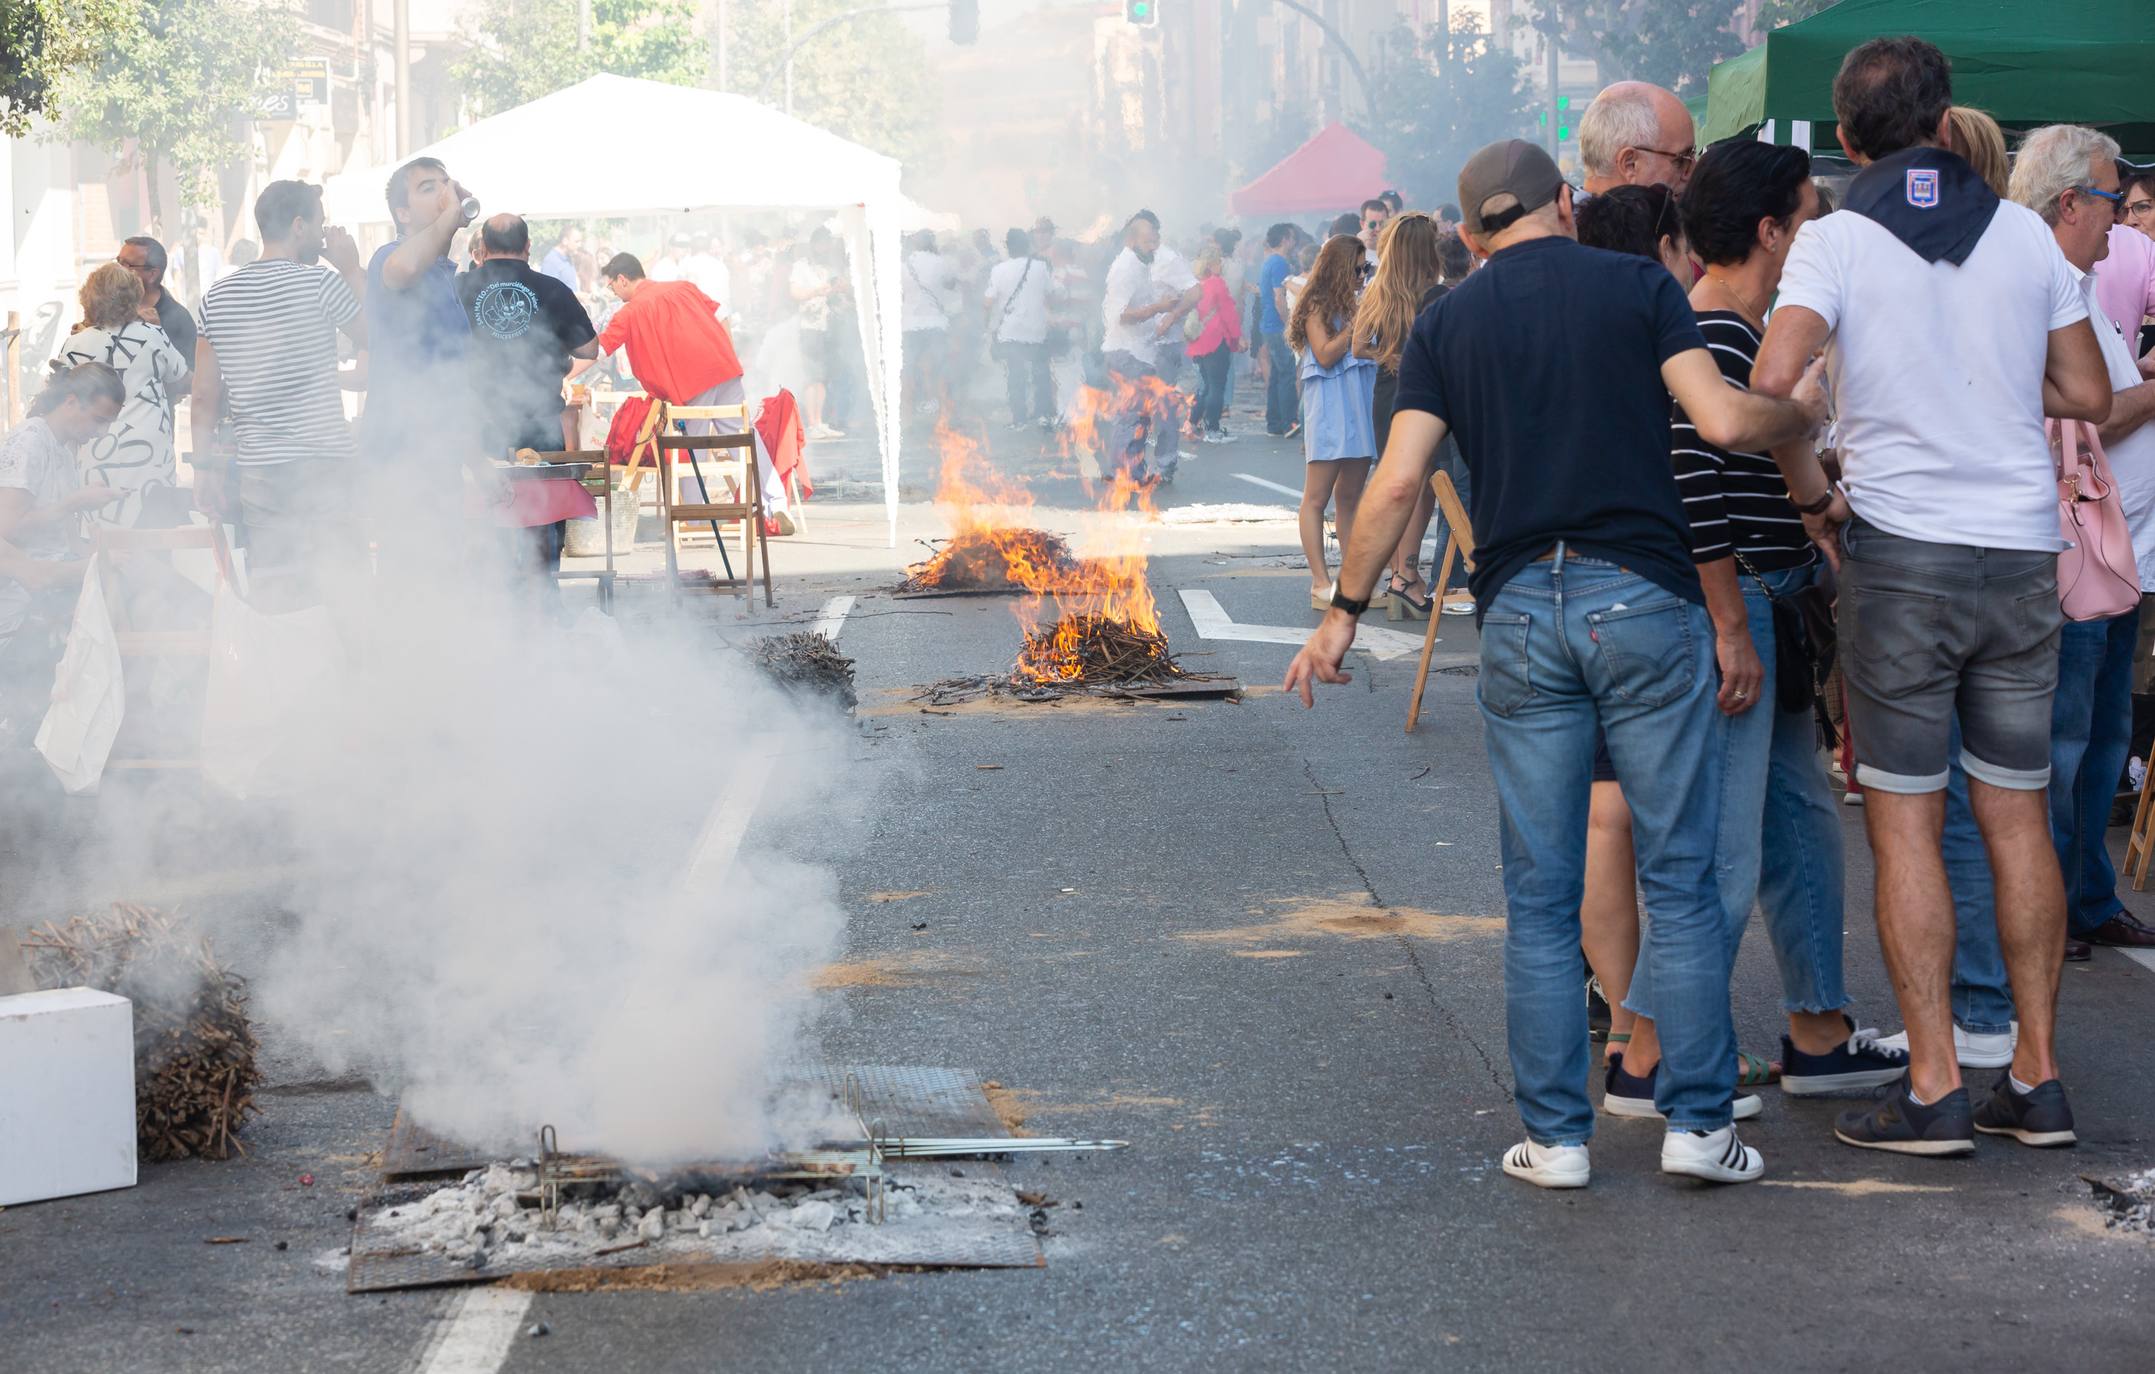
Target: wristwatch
x=1343 y=602
x=1817 y=507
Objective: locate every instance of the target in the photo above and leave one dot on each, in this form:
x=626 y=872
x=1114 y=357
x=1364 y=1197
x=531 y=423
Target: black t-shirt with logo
x=523 y=326
x=1546 y=364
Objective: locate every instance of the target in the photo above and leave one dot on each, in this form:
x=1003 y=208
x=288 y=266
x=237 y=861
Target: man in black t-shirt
x=525 y=328
x=1554 y=365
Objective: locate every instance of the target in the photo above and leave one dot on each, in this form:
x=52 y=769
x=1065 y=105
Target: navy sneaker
x=1861 y=1065
x=1627 y=1094
x=1894 y=1122
x=2039 y=1117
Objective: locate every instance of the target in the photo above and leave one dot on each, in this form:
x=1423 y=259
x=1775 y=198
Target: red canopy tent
x=1336 y=170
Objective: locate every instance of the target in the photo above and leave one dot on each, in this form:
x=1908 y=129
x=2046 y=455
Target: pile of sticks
x=195 y=1070
x=978 y=561
x=1097 y=652
x=807 y=663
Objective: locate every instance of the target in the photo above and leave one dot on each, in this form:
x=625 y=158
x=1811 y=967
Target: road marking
x=475 y=1339
x=2143 y=957
x=1269 y=485
x=833 y=616
x=1212 y=622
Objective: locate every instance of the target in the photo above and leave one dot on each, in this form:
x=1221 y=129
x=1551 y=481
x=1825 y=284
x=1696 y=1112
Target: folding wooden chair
x=1459 y=539
x=726 y=466
x=599 y=481
x=117 y=544
x=2141 y=842
x=746 y=507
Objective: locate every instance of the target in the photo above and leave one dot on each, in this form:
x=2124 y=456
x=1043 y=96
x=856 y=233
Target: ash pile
x=2128 y=1203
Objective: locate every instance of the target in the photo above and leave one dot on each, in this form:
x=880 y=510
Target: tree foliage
x=40 y=42
x=1431 y=116
x=867 y=79
x=175 y=81
x=1775 y=14
x=523 y=49
x=1672 y=43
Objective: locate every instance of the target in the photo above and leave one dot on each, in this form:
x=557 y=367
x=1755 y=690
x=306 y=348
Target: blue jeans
x=1780 y=844
x=1567 y=644
x=1283 y=387
x=2091 y=721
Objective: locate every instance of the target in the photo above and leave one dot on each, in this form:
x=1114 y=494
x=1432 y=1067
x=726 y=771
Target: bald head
x=1636 y=134
x=506 y=236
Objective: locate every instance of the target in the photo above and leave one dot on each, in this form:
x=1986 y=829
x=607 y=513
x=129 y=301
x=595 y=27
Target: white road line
x=2143 y=957
x=833 y=616
x=476 y=1335
x=1269 y=485
x=1212 y=622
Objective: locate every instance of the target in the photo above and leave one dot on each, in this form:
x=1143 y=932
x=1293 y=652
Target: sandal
x=1758 y=1072
x=1417 y=606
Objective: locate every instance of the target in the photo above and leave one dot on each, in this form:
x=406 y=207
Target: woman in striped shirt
x=1745 y=202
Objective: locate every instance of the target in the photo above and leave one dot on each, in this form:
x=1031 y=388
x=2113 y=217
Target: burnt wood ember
x=1096 y=651
x=1001 y=560
x=809 y=664
x=195 y=1070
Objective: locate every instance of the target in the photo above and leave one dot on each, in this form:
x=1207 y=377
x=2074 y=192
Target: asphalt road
x=1263 y=945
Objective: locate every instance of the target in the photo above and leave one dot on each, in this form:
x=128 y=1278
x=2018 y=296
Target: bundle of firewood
x=807 y=663
x=195 y=1072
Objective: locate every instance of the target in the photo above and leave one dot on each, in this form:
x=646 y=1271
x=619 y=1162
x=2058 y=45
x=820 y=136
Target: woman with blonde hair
x=1216 y=338
x=1981 y=143
x=1409 y=271
x=134 y=457
x=1338 y=432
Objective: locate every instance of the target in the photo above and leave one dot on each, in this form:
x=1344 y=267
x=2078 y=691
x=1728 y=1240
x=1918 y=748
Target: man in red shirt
x=682 y=355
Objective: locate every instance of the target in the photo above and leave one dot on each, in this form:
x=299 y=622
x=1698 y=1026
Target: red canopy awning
x=1336 y=170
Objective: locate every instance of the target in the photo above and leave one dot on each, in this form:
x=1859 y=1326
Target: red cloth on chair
x=778 y=425
x=628 y=422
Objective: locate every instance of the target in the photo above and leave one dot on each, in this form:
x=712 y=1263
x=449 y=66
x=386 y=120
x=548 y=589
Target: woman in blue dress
x=1338 y=434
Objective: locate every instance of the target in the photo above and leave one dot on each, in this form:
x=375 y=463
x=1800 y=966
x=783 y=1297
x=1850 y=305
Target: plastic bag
x=263 y=669
x=88 y=695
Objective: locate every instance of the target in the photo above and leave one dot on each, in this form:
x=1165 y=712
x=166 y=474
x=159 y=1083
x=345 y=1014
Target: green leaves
x=523 y=49
x=40 y=42
x=1432 y=117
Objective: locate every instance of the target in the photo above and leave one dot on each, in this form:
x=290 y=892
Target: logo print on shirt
x=1923 y=188
x=506 y=309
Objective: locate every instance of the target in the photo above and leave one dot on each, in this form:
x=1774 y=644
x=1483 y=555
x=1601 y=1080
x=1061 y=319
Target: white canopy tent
x=617 y=146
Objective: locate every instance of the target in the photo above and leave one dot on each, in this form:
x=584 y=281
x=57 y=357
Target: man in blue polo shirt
x=1554 y=365
x=1283 y=393
x=418 y=337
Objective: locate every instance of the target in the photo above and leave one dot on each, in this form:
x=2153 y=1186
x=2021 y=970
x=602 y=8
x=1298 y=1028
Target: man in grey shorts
x=1951 y=324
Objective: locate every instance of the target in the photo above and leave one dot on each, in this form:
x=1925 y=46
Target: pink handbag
x=2098 y=576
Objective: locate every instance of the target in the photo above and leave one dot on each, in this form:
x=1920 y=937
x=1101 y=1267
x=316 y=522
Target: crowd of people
x=1747 y=469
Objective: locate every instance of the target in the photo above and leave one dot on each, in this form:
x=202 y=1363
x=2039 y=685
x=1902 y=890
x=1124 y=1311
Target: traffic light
x=1143 y=13
x=1563 y=128
x=964 y=21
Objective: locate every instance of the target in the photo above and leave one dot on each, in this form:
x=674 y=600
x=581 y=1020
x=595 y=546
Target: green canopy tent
x=2062 y=61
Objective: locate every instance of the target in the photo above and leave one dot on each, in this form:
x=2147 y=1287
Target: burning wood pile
x=195 y=1072
x=1098 y=650
x=994 y=560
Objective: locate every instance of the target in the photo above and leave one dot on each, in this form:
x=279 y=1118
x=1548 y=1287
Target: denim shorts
x=1928 y=630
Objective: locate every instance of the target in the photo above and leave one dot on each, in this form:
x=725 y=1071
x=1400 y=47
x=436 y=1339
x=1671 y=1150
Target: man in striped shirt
x=267 y=361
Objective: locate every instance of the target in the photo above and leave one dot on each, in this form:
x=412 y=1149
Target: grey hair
x=2053 y=160
x=1615 y=121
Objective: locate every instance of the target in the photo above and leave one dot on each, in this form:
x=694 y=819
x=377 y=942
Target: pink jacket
x=1223 y=323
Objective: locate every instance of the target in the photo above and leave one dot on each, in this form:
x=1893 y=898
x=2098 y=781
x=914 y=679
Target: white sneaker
x=1981 y=1050
x=1716 y=1156
x=1548 y=1166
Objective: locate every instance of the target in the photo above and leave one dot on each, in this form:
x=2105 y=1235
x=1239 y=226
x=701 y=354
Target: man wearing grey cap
x=1554 y=365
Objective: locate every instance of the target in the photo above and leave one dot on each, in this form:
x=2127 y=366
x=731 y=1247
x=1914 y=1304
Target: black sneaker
x=1597 y=1012
x=1858 y=1066
x=2038 y=1118
x=1896 y=1123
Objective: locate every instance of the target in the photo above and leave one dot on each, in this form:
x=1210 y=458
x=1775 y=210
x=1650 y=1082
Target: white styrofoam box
x=67 y=1094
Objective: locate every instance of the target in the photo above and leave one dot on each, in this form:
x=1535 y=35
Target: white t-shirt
x=710 y=276
x=809 y=276
x=1129 y=283
x=1937 y=374
x=667 y=269
x=931 y=288
x=1026 y=318
x=2132 y=458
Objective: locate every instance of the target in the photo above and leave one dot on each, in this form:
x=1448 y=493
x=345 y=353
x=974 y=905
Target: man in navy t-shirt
x=1283 y=393
x=418 y=337
x=1554 y=365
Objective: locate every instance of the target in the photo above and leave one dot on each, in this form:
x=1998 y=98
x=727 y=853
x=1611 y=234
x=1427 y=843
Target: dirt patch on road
x=899 y=701
x=908 y=970
x=1009 y=1106
x=1350 y=915
x=882 y=897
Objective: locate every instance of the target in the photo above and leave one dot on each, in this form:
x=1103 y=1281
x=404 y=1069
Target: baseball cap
x=1505 y=181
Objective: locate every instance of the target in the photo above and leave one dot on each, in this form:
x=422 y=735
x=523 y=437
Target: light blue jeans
x=2091 y=721
x=1780 y=845
x=1567 y=644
